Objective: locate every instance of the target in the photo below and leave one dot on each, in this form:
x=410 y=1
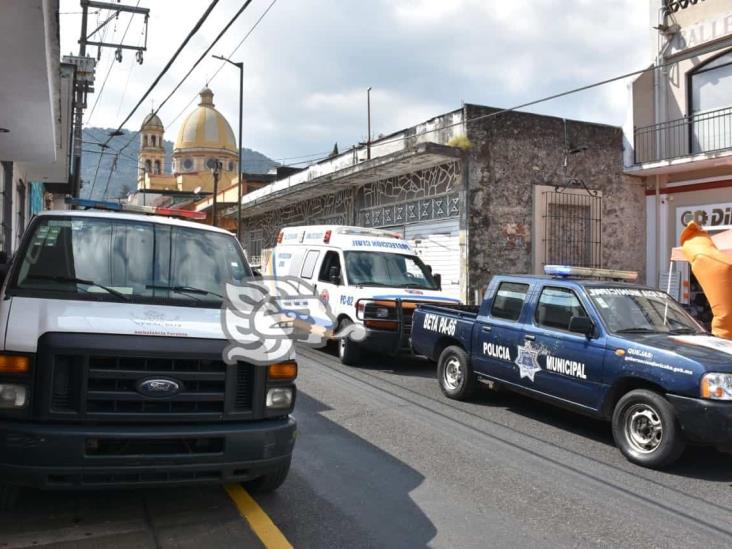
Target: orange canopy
x=723 y=242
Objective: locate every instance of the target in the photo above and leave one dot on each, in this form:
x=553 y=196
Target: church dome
x=152 y=121
x=205 y=128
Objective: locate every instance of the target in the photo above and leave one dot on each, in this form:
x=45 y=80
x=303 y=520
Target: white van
x=111 y=360
x=367 y=276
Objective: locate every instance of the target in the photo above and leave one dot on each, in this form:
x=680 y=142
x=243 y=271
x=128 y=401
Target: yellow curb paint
x=262 y=525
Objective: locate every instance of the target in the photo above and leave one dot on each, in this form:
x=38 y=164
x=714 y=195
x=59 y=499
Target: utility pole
x=240 y=179
x=84 y=81
x=368 y=115
x=215 y=166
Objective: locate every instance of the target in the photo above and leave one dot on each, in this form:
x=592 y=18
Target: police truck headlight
x=279 y=397
x=12 y=396
x=717 y=386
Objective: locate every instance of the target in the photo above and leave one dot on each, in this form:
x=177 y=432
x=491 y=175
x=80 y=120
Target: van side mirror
x=582 y=325
x=438 y=280
x=4 y=266
x=334 y=274
x=256 y=273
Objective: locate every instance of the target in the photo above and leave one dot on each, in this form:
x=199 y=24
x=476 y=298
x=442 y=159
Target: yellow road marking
x=266 y=531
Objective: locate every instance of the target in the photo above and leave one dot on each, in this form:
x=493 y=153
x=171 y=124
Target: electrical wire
x=223 y=63
x=170 y=62
x=198 y=61
x=515 y=108
x=109 y=70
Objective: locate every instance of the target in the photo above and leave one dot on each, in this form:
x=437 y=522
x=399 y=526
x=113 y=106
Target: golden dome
x=205 y=128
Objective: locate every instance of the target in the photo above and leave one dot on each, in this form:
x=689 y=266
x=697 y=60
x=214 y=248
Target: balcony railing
x=705 y=132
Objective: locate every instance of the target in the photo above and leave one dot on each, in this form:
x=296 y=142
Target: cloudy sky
x=308 y=63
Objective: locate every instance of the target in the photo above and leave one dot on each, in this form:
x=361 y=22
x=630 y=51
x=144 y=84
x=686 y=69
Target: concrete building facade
x=477 y=192
x=680 y=139
x=35 y=130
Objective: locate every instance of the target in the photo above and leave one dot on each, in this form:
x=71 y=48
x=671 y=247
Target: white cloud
x=308 y=64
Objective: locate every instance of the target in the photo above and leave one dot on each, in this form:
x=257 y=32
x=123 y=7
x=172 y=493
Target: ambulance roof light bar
x=133 y=208
x=589 y=272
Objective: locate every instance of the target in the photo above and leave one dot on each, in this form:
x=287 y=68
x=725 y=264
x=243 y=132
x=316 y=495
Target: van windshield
x=123 y=260
x=387 y=269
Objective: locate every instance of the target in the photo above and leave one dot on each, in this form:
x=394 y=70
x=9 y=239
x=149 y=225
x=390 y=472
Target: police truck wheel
x=348 y=350
x=269 y=482
x=455 y=374
x=8 y=497
x=645 y=429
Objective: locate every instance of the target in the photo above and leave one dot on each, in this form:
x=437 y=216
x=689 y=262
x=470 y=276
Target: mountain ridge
x=100 y=182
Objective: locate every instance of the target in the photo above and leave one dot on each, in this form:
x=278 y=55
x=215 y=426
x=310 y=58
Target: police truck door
x=497 y=335
x=554 y=360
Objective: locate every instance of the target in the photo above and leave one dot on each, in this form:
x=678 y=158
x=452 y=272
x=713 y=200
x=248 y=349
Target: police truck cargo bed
x=611 y=349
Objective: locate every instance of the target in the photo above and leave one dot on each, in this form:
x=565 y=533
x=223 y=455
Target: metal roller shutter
x=437 y=243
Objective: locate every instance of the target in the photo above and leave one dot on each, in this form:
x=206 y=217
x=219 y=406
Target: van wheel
x=645 y=429
x=270 y=481
x=455 y=374
x=8 y=497
x=348 y=350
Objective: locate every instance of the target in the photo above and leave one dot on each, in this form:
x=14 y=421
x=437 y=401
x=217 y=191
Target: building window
x=157 y=166
x=231 y=165
x=144 y=140
x=148 y=166
x=711 y=104
x=188 y=164
x=154 y=140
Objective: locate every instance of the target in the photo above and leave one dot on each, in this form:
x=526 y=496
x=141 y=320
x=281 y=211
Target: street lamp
x=215 y=166
x=240 y=66
x=368 y=115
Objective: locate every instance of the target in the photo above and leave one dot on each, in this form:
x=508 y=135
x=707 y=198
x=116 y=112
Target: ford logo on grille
x=158 y=387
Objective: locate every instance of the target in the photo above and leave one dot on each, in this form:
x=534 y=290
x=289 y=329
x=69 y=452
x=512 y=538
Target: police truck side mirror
x=582 y=325
x=438 y=280
x=334 y=274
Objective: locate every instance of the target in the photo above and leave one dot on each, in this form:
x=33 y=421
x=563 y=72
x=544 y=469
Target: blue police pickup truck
x=610 y=349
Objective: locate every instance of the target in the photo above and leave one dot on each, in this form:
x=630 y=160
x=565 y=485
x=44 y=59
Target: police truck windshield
x=123 y=260
x=634 y=310
x=387 y=269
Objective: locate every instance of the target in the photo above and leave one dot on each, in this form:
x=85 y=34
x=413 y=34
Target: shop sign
x=712 y=217
x=700 y=33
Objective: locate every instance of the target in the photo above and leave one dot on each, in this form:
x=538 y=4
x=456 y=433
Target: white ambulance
x=367 y=276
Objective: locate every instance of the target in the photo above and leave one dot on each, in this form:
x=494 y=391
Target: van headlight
x=279 y=397
x=717 y=386
x=12 y=396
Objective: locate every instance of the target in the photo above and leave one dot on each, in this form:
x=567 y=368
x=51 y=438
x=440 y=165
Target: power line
x=162 y=73
x=198 y=61
x=111 y=64
x=204 y=54
x=185 y=77
x=223 y=63
x=511 y=109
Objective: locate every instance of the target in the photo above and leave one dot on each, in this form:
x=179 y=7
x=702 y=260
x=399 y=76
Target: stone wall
x=422 y=195
x=513 y=153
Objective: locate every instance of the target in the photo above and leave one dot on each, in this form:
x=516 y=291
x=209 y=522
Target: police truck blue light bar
x=133 y=208
x=589 y=272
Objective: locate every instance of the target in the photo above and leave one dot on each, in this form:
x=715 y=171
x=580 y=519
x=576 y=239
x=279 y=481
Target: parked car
x=111 y=367
x=613 y=350
x=367 y=276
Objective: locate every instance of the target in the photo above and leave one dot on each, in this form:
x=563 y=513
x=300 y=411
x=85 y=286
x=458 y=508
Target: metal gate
x=572 y=229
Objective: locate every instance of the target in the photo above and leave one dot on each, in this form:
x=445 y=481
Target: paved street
x=384 y=460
